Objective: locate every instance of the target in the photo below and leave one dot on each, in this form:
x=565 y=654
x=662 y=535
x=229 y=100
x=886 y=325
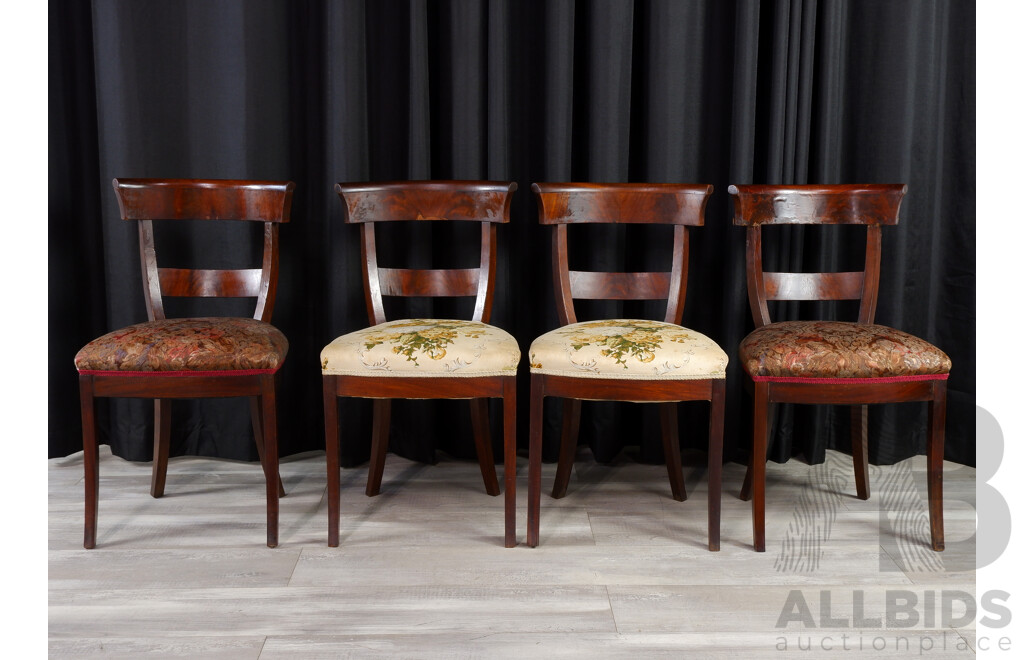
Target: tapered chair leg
x=567 y=448
x=715 y=435
x=673 y=457
x=90 y=445
x=508 y=403
x=536 y=436
x=859 y=446
x=379 y=444
x=161 y=445
x=268 y=397
x=256 y=413
x=482 y=439
x=749 y=476
x=758 y=457
x=333 y=460
x=936 y=450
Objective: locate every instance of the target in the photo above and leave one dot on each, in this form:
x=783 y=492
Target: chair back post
x=562 y=204
x=870 y=205
x=487 y=202
x=145 y=200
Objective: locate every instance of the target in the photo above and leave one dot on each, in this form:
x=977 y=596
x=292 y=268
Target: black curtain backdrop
x=712 y=91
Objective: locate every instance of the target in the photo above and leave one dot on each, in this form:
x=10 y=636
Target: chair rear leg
x=936 y=449
x=482 y=439
x=161 y=445
x=333 y=460
x=508 y=402
x=256 y=413
x=758 y=457
x=748 y=478
x=379 y=444
x=268 y=398
x=673 y=457
x=859 y=446
x=536 y=436
x=567 y=448
x=90 y=445
x=715 y=463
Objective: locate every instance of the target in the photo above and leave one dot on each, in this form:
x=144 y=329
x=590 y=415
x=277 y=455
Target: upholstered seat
x=423 y=347
x=187 y=345
x=627 y=349
x=837 y=350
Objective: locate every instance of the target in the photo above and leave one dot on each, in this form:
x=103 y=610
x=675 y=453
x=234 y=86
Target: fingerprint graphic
x=815 y=513
x=903 y=521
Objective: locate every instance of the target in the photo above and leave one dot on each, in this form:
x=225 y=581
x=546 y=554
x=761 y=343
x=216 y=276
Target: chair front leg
x=268 y=397
x=379 y=445
x=333 y=459
x=936 y=450
x=859 y=449
x=256 y=413
x=91 y=457
x=715 y=435
x=758 y=457
x=536 y=436
x=482 y=440
x=567 y=448
x=161 y=445
x=749 y=476
x=670 y=443
x=509 y=417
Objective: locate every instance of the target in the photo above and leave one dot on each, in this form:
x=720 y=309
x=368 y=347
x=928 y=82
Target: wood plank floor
x=622 y=570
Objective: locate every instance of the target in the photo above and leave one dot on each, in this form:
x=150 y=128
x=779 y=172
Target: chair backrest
x=871 y=205
x=562 y=204
x=146 y=200
x=486 y=202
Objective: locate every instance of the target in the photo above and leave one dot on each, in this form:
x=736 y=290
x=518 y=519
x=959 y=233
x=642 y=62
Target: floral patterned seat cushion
x=627 y=349
x=187 y=345
x=423 y=347
x=833 y=349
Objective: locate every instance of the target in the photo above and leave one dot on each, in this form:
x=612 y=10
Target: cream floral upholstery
x=423 y=347
x=627 y=349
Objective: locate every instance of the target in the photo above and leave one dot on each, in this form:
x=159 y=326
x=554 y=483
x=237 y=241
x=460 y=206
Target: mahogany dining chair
x=183 y=358
x=832 y=362
x=624 y=359
x=424 y=358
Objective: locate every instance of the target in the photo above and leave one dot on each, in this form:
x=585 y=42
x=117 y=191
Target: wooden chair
x=424 y=358
x=828 y=361
x=624 y=359
x=165 y=359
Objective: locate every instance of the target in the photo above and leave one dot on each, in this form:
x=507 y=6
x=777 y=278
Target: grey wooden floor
x=622 y=570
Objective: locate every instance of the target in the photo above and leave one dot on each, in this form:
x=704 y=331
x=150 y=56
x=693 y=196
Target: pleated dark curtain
x=712 y=91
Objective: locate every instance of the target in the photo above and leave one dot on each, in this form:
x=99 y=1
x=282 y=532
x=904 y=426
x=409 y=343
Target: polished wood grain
x=845 y=204
x=387 y=201
x=872 y=206
x=564 y=204
x=632 y=203
x=146 y=200
x=204 y=199
x=199 y=283
x=365 y=204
